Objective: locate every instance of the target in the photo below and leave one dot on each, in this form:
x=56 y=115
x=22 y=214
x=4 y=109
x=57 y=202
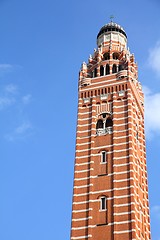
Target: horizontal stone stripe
x=103 y=191
x=97 y=200
x=83 y=186
x=124 y=231
x=82 y=210
x=99 y=84
x=81 y=237
x=80 y=219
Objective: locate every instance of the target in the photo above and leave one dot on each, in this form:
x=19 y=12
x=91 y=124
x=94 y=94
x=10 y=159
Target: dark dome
x=111 y=27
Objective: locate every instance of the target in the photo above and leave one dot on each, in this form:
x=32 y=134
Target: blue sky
x=42 y=45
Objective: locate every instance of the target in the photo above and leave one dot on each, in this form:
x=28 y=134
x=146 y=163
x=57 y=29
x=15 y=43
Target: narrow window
x=95 y=72
x=101 y=71
x=114 y=68
x=121 y=67
x=106 y=56
x=109 y=122
x=103 y=203
x=115 y=56
x=104 y=157
x=107 y=69
x=99 y=124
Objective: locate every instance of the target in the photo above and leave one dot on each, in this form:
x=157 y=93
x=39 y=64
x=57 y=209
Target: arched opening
x=115 y=56
x=99 y=124
x=120 y=67
x=109 y=122
x=106 y=56
x=103 y=203
x=107 y=69
x=114 y=68
x=109 y=125
x=101 y=71
x=103 y=156
x=95 y=72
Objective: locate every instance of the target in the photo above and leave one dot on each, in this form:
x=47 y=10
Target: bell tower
x=110 y=197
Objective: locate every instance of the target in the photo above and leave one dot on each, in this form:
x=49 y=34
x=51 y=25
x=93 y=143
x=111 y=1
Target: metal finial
x=111 y=17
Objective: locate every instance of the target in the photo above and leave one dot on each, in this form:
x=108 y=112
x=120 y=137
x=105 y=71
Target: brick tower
x=110 y=197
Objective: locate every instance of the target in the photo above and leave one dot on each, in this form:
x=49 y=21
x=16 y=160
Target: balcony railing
x=85 y=82
x=103 y=131
x=122 y=74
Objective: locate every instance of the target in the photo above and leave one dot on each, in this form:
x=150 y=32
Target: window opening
x=103 y=203
x=104 y=157
x=109 y=122
x=95 y=72
x=114 y=68
x=106 y=56
x=99 y=124
x=101 y=71
x=107 y=69
x=115 y=56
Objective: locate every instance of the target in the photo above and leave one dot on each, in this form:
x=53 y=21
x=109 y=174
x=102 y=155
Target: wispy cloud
x=155 y=210
x=11 y=89
x=5 y=68
x=154 y=58
x=152 y=113
x=22 y=131
x=26 y=99
x=6 y=102
x=7 y=97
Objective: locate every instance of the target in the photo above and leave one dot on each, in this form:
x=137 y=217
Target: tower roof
x=111 y=27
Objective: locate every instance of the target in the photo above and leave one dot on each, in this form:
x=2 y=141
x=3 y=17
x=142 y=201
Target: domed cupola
x=111 y=31
x=111 y=27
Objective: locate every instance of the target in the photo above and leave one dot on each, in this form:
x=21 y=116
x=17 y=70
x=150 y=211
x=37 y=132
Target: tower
x=110 y=196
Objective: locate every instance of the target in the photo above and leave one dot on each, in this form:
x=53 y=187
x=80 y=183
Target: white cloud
x=152 y=113
x=11 y=88
x=23 y=128
x=156 y=211
x=6 y=67
x=26 y=99
x=154 y=58
x=5 y=102
x=22 y=131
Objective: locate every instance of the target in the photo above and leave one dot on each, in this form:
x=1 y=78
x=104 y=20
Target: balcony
x=122 y=74
x=103 y=131
x=85 y=82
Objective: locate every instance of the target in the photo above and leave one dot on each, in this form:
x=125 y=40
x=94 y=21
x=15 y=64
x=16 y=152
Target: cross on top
x=111 y=17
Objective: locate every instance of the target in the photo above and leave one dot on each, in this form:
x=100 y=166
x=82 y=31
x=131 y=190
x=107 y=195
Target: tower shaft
x=110 y=197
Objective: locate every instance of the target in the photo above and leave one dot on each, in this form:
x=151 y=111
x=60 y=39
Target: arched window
x=106 y=56
x=103 y=156
x=101 y=71
x=115 y=56
x=95 y=72
x=120 y=67
x=99 y=124
x=109 y=122
x=114 y=68
x=103 y=203
x=107 y=69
